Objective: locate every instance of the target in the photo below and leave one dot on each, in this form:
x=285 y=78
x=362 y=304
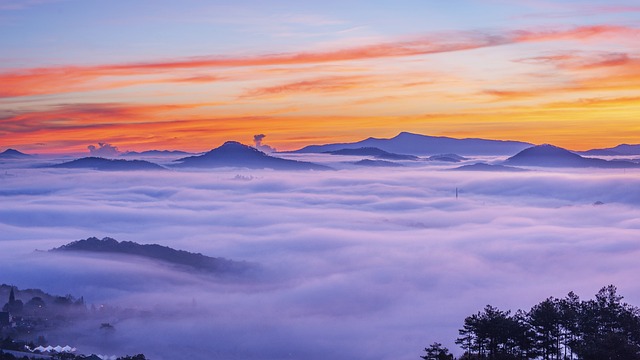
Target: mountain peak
x=235 y=154
x=418 y=144
x=98 y=163
x=180 y=258
x=553 y=156
x=13 y=154
x=235 y=149
x=547 y=150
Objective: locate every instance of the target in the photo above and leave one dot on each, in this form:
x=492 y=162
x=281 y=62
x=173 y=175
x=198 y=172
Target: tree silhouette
x=436 y=351
x=604 y=328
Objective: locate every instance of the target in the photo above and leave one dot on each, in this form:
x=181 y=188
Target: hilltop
x=13 y=154
x=181 y=258
x=235 y=154
x=97 y=163
x=372 y=151
x=553 y=156
x=416 y=144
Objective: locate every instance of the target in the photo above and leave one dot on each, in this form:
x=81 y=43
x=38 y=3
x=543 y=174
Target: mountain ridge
x=547 y=155
x=235 y=154
x=417 y=144
x=14 y=154
x=157 y=252
x=621 y=149
x=156 y=153
x=373 y=151
x=103 y=164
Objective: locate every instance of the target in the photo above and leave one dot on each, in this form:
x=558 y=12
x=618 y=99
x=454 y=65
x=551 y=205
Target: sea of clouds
x=351 y=264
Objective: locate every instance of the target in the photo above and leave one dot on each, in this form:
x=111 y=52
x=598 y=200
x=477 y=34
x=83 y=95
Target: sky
x=352 y=264
x=190 y=75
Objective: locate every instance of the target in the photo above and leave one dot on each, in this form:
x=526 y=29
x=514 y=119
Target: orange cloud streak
x=577 y=33
x=325 y=84
x=41 y=81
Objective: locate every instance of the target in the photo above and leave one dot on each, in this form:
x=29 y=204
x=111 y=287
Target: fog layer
x=355 y=264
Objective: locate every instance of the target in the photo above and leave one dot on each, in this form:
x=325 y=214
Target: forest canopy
x=603 y=328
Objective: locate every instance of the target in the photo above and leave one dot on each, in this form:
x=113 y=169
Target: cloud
x=55 y=80
x=7 y=5
x=576 y=33
x=503 y=95
x=321 y=85
x=257 y=139
x=103 y=150
x=577 y=60
x=346 y=256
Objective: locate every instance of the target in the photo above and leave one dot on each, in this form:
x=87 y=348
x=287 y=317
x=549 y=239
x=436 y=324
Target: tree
x=468 y=339
x=494 y=334
x=609 y=329
x=604 y=328
x=544 y=319
x=570 y=308
x=437 y=352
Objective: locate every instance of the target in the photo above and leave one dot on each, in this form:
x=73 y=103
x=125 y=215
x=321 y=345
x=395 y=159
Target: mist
x=352 y=264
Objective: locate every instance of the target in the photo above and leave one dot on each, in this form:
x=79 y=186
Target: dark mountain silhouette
x=372 y=151
x=377 y=163
x=488 y=167
x=553 y=156
x=181 y=258
x=447 y=158
x=415 y=144
x=622 y=149
x=156 y=153
x=235 y=154
x=97 y=163
x=13 y=154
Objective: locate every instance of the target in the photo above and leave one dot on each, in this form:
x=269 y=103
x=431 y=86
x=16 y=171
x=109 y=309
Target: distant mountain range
x=373 y=151
x=181 y=258
x=416 y=144
x=97 y=163
x=235 y=154
x=156 y=153
x=377 y=163
x=553 y=156
x=13 y=154
x=488 y=167
x=447 y=158
x=622 y=149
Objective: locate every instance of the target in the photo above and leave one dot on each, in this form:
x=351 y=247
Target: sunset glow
x=191 y=76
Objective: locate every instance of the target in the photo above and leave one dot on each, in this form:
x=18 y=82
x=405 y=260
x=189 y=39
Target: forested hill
x=599 y=329
x=156 y=252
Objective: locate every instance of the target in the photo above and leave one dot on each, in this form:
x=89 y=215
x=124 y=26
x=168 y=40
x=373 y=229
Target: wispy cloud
x=576 y=33
x=23 y=4
x=577 y=60
x=40 y=81
x=317 y=85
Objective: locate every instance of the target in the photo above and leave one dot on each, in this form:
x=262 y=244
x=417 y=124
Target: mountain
x=447 y=158
x=156 y=153
x=377 y=163
x=235 y=154
x=416 y=144
x=488 y=167
x=553 y=156
x=372 y=151
x=13 y=154
x=622 y=149
x=97 y=163
x=181 y=258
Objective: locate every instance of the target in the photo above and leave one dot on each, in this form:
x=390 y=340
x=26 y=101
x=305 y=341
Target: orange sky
x=576 y=86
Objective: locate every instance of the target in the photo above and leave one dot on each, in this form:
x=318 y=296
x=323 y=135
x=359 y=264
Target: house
x=5 y=319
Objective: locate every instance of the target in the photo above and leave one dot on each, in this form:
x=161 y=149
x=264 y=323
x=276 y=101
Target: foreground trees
x=604 y=328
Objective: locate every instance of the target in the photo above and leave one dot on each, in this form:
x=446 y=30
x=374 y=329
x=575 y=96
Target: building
x=5 y=319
